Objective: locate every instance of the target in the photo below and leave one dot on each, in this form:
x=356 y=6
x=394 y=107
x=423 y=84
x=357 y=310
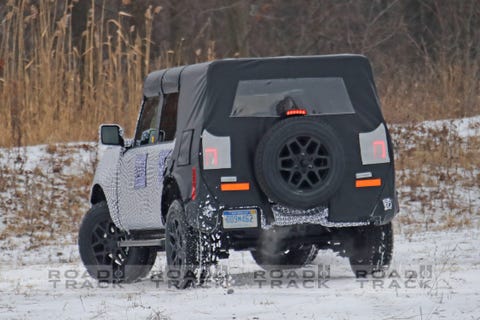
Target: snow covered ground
x=434 y=275
x=435 y=272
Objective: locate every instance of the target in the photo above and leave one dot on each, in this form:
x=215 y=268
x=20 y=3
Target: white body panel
x=133 y=182
x=106 y=178
x=140 y=186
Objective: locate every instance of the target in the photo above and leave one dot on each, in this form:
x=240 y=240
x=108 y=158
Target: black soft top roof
x=208 y=89
x=168 y=80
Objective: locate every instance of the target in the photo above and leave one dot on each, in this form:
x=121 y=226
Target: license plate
x=246 y=218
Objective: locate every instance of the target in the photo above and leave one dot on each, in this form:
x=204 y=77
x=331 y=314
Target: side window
x=168 y=121
x=147 y=132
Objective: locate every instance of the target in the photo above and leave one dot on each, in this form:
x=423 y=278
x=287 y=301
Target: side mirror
x=111 y=135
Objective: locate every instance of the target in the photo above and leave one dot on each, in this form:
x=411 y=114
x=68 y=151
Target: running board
x=143 y=243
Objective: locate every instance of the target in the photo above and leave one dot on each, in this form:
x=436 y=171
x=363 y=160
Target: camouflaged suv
x=280 y=156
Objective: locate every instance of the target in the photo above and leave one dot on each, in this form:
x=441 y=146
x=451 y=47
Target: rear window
x=272 y=97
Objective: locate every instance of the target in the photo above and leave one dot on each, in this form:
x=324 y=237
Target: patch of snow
x=465 y=127
x=445 y=287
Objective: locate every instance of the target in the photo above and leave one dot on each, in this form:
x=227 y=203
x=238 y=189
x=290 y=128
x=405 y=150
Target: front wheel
x=106 y=261
x=371 y=249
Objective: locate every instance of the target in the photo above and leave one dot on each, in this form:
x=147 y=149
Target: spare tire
x=300 y=163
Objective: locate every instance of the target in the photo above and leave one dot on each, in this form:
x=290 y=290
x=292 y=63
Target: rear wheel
x=189 y=252
x=370 y=249
x=105 y=261
x=300 y=163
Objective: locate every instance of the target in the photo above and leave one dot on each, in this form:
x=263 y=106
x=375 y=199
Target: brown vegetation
x=437 y=176
x=66 y=65
x=44 y=195
x=437 y=179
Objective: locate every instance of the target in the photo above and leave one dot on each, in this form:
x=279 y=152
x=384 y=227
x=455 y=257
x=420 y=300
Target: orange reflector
x=368 y=183
x=242 y=186
x=296 y=112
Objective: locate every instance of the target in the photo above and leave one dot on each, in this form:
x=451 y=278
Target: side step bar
x=143 y=243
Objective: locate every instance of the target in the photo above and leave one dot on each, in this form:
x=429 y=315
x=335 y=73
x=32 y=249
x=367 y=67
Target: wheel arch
x=97 y=195
x=170 y=193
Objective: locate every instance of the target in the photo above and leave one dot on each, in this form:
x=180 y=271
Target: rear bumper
x=207 y=215
x=349 y=207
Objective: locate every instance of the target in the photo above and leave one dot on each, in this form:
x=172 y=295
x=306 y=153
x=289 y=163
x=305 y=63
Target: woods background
x=68 y=65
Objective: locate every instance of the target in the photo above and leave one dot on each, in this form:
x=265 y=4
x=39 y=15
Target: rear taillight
x=210 y=157
x=374 y=146
x=216 y=152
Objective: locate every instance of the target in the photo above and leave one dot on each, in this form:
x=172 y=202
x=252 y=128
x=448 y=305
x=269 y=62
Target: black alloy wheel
x=181 y=248
x=103 y=258
x=304 y=162
x=105 y=238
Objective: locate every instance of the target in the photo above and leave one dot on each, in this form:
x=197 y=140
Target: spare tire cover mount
x=300 y=162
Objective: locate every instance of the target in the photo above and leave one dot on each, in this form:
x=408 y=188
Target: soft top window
x=273 y=97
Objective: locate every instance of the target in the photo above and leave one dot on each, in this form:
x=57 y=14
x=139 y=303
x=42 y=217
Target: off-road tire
x=300 y=163
x=370 y=249
x=101 y=255
x=189 y=252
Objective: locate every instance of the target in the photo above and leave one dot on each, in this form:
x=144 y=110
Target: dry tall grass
x=439 y=90
x=52 y=91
